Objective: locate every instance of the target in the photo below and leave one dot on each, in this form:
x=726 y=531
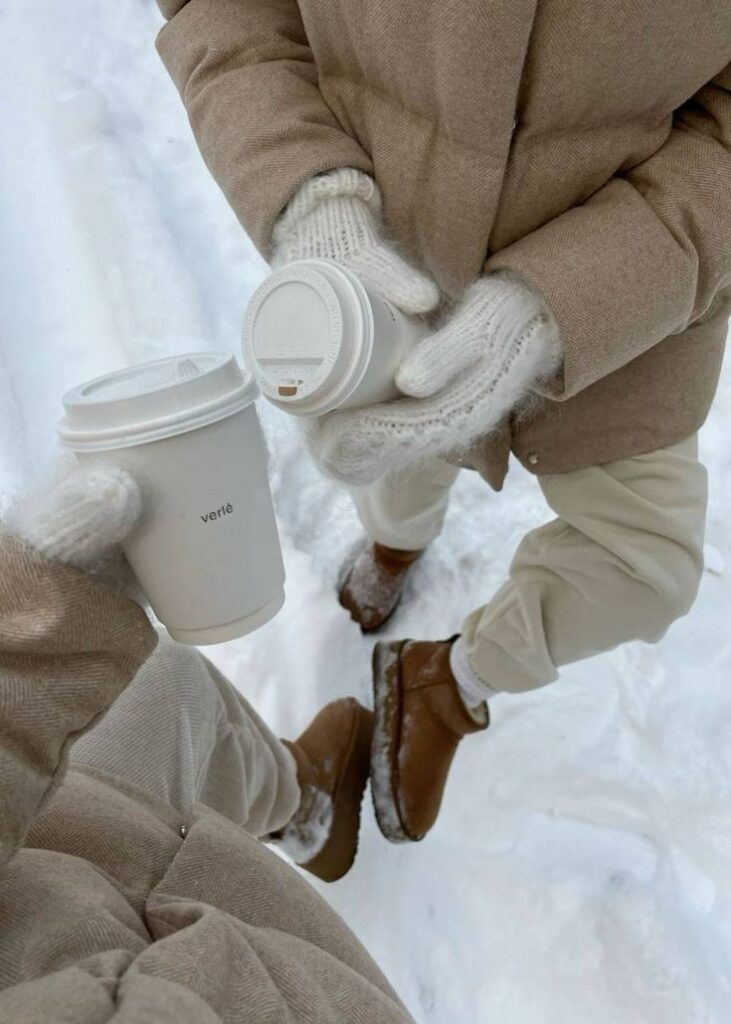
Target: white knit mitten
x=337 y=216
x=82 y=518
x=461 y=382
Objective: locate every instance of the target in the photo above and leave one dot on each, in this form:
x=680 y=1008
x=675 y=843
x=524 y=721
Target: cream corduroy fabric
x=183 y=733
x=461 y=382
x=337 y=216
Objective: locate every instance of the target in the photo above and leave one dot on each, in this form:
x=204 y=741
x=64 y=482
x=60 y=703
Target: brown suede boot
x=333 y=762
x=420 y=719
x=373 y=587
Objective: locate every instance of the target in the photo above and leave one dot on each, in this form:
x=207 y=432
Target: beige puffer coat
x=586 y=146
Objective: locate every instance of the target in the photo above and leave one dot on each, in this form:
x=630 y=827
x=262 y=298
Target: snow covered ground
x=581 y=868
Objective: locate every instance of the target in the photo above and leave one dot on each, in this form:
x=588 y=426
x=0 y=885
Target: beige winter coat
x=106 y=911
x=584 y=145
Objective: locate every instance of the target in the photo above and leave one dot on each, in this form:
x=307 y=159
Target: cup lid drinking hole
x=308 y=336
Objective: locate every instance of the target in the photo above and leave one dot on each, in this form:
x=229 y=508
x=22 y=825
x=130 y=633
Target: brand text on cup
x=224 y=510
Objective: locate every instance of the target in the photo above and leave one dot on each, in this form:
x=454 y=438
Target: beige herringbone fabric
x=106 y=911
x=622 y=560
x=585 y=147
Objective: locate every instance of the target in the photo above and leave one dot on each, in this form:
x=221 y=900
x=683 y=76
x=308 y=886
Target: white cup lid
x=308 y=336
x=153 y=401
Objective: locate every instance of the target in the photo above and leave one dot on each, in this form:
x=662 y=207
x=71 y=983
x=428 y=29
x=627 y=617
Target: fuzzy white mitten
x=337 y=216
x=82 y=518
x=461 y=382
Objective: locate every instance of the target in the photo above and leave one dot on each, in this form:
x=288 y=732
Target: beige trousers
x=182 y=732
x=622 y=560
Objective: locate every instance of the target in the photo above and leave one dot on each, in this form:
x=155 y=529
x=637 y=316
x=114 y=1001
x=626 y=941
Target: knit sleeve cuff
x=343 y=183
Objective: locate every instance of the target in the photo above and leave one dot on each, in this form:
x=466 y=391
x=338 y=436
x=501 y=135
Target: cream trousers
x=622 y=560
x=182 y=732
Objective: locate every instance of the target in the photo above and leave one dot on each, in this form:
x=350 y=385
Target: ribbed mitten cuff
x=346 y=219
x=337 y=216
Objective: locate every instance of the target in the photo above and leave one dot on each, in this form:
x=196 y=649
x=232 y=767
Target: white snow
x=581 y=868
x=302 y=839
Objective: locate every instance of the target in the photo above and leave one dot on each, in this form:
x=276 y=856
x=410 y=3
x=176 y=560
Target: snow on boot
x=373 y=587
x=333 y=762
x=420 y=719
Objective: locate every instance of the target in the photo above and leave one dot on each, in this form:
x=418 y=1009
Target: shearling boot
x=420 y=719
x=333 y=762
x=373 y=587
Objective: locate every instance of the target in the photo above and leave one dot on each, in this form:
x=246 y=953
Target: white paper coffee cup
x=317 y=339
x=207 y=552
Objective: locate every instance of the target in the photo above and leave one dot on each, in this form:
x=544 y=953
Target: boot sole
x=339 y=852
x=386 y=737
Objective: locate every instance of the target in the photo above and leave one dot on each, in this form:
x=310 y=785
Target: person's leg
x=622 y=562
x=406 y=510
x=181 y=731
x=401 y=515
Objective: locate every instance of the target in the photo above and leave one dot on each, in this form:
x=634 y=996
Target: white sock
x=472 y=690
